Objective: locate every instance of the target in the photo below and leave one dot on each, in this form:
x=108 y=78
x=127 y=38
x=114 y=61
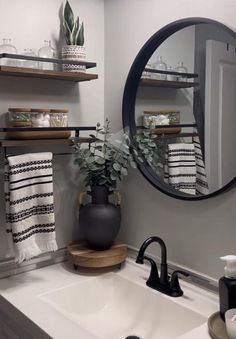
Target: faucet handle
x=154 y=276
x=176 y=290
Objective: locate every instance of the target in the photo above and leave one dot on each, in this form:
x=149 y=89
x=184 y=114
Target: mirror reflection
x=185 y=110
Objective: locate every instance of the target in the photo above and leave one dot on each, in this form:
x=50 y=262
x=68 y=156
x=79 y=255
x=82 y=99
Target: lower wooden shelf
x=44 y=142
x=80 y=255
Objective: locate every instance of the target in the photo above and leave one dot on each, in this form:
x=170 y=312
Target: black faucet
x=165 y=284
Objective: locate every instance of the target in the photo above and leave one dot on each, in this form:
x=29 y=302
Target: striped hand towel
x=180 y=167
x=29 y=204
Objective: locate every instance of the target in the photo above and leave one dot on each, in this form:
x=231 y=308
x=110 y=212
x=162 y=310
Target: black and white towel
x=29 y=204
x=180 y=167
x=202 y=187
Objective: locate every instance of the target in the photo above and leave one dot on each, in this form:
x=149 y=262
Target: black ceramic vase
x=99 y=220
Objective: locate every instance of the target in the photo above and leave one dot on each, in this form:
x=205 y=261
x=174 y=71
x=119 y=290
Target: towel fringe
x=27 y=253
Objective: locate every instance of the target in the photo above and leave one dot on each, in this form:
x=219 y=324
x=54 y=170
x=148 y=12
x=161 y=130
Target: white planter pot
x=75 y=53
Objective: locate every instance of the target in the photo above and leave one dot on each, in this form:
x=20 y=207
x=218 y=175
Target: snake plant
x=73 y=30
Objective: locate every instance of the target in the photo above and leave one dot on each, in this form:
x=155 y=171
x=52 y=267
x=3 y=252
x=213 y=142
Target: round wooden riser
x=81 y=256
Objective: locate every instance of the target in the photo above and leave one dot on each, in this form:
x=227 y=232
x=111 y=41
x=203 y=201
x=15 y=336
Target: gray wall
x=196 y=233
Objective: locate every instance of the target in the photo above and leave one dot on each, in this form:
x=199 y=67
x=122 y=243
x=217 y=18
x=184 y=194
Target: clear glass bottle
x=181 y=69
x=161 y=66
x=29 y=63
x=47 y=51
x=7 y=47
x=170 y=77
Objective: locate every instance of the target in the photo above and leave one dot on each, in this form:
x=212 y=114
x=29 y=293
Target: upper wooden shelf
x=167 y=83
x=46 y=74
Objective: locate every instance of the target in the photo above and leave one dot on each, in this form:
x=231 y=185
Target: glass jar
x=58 y=117
x=160 y=65
x=146 y=74
x=170 y=77
x=29 y=63
x=47 y=51
x=40 y=117
x=7 y=47
x=181 y=69
x=19 y=117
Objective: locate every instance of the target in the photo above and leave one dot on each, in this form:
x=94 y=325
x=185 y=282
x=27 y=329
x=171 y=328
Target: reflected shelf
x=166 y=83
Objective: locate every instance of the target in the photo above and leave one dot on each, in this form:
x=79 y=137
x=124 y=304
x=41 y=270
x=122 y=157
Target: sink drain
x=132 y=337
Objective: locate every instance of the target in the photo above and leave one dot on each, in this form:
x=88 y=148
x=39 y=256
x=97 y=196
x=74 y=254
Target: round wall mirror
x=179 y=105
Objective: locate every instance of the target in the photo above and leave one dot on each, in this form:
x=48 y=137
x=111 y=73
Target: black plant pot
x=99 y=220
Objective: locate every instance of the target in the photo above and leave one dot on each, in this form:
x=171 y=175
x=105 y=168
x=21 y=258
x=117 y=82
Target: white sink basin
x=110 y=306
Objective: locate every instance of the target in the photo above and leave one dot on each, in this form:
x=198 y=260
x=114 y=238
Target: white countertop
x=22 y=292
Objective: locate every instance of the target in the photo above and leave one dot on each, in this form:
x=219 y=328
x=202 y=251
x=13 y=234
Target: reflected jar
x=181 y=69
x=146 y=74
x=170 y=77
x=160 y=65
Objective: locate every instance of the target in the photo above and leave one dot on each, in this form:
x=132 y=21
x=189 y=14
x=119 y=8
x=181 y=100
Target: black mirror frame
x=130 y=92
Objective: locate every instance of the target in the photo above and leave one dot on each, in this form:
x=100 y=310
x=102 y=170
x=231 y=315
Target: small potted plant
x=74 y=37
x=103 y=164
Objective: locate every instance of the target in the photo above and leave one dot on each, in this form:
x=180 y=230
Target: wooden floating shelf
x=46 y=74
x=167 y=83
x=178 y=135
x=43 y=142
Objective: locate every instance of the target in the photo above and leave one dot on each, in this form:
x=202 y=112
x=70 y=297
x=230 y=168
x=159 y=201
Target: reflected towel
x=29 y=204
x=180 y=167
x=201 y=178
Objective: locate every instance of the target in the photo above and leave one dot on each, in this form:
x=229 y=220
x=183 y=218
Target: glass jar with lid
x=160 y=65
x=7 y=47
x=40 y=117
x=58 y=117
x=19 y=117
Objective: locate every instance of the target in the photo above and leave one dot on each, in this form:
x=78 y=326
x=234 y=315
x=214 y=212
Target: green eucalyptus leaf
x=151 y=144
x=133 y=164
x=100 y=161
x=69 y=16
x=102 y=181
x=124 y=171
x=113 y=176
x=140 y=159
x=145 y=151
x=116 y=166
x=90 y=160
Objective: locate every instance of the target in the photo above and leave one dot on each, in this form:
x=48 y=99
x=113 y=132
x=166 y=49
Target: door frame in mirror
x=130 y=92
